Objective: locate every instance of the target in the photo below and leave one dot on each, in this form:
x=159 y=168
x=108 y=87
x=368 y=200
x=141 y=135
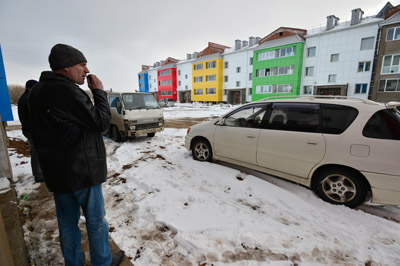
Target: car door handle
x=312 y=142
x=251 y=137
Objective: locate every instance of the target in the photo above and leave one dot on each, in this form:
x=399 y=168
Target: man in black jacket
x=23 y=113
x=67 y=130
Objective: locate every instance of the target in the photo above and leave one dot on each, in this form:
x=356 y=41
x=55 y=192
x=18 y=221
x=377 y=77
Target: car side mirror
x=221 y=122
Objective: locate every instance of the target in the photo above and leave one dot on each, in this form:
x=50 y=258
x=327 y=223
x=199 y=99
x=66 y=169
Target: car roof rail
x=313 y=97
x=392 y=105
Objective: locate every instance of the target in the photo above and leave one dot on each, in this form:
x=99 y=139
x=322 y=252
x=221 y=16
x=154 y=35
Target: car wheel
x=116 y=136
x=201 y=150
x=151 y=134
x=341 y=186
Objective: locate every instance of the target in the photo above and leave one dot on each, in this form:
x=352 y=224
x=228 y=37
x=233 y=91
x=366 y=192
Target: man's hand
x=94 y=82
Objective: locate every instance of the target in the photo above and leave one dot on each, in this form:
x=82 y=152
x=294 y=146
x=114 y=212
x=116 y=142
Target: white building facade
x=184 y=78
x=338 y=58
x=238 y=72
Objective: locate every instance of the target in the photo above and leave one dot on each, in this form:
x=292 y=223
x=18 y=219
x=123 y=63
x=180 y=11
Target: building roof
x=283 y=32
x=395 y=18
x=343 y=26
x=213 y=48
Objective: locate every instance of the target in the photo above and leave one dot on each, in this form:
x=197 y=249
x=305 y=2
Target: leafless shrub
x=15 y=92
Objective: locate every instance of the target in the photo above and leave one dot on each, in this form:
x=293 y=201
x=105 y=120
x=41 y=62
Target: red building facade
x=167 y=80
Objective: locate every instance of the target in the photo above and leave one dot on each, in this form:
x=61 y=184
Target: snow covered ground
x=164 y=208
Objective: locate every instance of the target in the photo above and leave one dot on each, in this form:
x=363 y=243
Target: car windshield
x=139 y=101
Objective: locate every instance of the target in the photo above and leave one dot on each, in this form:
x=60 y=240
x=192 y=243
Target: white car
x=346 y=149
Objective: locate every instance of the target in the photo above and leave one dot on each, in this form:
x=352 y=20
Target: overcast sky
x=119 y=36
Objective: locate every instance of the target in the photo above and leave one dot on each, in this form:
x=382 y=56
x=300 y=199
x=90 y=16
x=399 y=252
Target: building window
x=165 y=93
x=198 y=79
x=186 y=77
x=277 y=88
x=361 y=88
x=393 y=34
x=211 y=91
x=332 y=78
x=150 y=86
x=364 y=66
x=211 y=77
x=141 y=85
x=165 y=72
x=179 y=83
x=225 y=78
x=198 y=91
x=251 y=61
x=391 y=64
x=367 y=43
x=311 y=51
x=179 y=72
x=275 y=71
x=238 y=70
x=237 y=84
x=250 y=76
x=150 y=77
x=226 y=64
x=334 y=57
x=308 y=90
x=250 y=91
x=212 y=64
x=389 y=85
x=165 y=82
x=155 y=80
x=198 y=66
x=282 y=52
x=186 y=87
x=309 y=71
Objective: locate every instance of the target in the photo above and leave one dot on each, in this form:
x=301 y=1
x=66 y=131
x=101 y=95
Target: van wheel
x=116 y=136
x=341 y=186
x=201 y=150
x=151 y=134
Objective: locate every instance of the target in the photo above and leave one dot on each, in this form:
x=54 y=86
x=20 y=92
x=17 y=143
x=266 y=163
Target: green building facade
x=277 y=71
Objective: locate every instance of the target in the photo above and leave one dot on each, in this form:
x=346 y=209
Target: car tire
x=341 y=187
x=201 y=150
x=116 y=136
x=151 y=134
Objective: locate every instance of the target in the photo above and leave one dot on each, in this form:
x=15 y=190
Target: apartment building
x=277 y=63
x=338 y=57
x=184 y=78
x=238 y=71
x=386 y=85
x=143 y=78
x=207 y=74
x=167 y=82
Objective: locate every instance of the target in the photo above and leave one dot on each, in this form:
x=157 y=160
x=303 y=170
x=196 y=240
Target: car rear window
x=337 y=118
x=384 y=124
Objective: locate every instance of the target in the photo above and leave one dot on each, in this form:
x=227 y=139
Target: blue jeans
x=68 y=207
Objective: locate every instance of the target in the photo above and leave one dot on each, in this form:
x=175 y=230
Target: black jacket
x=23 y=113
x=67 y=131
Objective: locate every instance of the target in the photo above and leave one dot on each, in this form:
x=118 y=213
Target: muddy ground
x=38 y=216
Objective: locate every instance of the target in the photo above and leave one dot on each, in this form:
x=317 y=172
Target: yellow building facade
x=207 y=80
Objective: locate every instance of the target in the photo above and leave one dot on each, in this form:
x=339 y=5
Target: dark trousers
x=36 y=170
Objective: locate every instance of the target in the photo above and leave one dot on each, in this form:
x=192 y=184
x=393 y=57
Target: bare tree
x=15 y=92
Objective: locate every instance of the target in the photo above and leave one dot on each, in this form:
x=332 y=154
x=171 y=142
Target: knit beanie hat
x=30 y=83
x=63 y=55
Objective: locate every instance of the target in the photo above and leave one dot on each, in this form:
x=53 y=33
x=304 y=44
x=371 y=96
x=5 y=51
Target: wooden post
x=5 y=166
x=5 y=254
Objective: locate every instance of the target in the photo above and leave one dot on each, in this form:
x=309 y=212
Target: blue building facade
x=143 y=82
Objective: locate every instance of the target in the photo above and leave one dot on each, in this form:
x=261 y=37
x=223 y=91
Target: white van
x=134 y=114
